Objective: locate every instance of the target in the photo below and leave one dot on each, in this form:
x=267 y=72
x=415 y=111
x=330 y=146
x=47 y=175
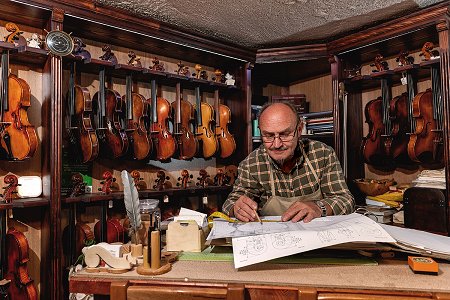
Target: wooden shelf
x=25 y=55
x=93 y=66
x=190 y=191
x=26 y=202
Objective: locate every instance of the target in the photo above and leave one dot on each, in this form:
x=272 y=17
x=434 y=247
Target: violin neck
x=216 y=106
x=129 y=83
x=153 y=95
x=198 y=102
x=102 y=100
x=4 y=91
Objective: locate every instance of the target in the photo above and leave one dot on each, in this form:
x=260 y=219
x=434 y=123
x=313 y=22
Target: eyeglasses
x=269 y=139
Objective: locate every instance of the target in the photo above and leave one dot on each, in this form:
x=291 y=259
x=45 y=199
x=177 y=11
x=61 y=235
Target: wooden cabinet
x=48 y=75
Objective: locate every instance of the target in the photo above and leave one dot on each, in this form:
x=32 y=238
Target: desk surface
x=391 y=277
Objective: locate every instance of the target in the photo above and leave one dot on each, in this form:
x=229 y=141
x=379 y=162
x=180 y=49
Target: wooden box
x=185 y=236
x=426 y=209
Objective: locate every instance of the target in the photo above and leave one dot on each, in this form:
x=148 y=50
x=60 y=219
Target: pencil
x=257 y=217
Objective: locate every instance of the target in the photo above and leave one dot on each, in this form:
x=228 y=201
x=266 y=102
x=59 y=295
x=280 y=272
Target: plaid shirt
x=253 y=178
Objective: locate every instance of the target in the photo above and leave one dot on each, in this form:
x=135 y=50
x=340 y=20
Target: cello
x=19 y=139
x=108 y=104
x=184 y=117
x=426 y=142
x=137 y=113
x=227 y=144
x=80 y=109
x=205 y=120
x=163 y=140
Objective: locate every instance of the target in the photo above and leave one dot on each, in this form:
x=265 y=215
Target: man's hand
x=244 y=209
x=300 y=210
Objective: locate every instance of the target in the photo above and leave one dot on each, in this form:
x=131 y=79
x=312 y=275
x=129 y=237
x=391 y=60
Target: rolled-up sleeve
x=245 y=184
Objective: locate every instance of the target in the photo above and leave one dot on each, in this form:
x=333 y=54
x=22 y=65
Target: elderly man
x=299 y=179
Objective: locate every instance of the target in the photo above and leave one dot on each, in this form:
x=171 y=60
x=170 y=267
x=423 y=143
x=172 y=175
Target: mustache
x=282 y=147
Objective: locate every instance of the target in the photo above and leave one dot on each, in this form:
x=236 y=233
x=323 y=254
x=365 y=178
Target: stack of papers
x=430 y=179
x=254 y=242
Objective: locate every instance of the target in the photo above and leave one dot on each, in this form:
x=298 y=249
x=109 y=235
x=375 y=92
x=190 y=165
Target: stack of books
x=319 y=122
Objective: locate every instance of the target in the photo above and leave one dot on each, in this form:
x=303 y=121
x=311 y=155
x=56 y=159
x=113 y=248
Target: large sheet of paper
x=319 y=233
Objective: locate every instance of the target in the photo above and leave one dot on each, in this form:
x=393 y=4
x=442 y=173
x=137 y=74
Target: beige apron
x=277 y=205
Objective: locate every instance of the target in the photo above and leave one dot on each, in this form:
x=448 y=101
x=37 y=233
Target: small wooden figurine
x=15 y=37
x=157 y=65
x=108 y=180
x=198 y=69
x=134 y=60
x=185 y=176
x=78 y=49
x=138 y=180
x=404 y=59
x=220 y=179
x=161 y=183
x=10 y=192
x=427 y=51
x=231 y=173
x=218 y=76
x=182 y=69
x=380 y=64
x=78 y=185
x=108 y=55
x=204 y=179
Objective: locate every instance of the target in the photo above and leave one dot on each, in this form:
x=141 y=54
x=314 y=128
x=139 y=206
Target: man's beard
x=281 y=161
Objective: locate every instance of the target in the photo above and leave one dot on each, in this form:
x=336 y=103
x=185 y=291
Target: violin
x=204 y=178
x=164 y=142
x=114 y=231
x=161 y=181
x=205 y=120
x=106 y=183
x=114 y=140
x=184 y=118
x=83 y=136
x=426 y=141
x=19 y=139
x=83 y=237
x=227 y=144
x=372 y=145
x=22 y=286
x=137 y=108
x=398 y=112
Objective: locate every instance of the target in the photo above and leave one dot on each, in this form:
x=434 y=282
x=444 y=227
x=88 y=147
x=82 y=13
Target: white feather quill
x=131 y=199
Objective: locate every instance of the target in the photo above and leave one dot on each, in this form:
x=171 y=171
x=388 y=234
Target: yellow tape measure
x=221 y=215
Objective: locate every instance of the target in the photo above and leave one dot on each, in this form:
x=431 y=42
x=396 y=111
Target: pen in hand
x=257 y=217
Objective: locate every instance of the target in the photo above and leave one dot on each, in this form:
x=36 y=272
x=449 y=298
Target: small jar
x=150 y=217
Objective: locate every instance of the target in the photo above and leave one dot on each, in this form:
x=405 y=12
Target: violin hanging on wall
x=19 y=140
x=108 y=104
x=163 y=140
x=184 y=118
x=426 y=141
x=82 y=135
x=137 y=108
x=205 y=124
x=227 y=145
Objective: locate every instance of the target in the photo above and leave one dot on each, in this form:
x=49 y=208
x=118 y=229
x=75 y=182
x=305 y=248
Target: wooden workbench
x=274 y=281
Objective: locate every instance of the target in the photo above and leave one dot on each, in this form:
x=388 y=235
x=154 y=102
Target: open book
x=255 y=242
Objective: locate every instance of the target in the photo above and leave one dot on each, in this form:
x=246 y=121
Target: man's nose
x=277 y=142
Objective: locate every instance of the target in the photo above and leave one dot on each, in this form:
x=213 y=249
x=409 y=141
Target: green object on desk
x=330 y=257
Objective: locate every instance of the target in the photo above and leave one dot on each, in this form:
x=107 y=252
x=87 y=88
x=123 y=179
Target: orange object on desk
x=424 y=265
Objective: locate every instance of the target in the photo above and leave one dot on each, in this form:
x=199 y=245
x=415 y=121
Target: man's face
x=280 y=132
